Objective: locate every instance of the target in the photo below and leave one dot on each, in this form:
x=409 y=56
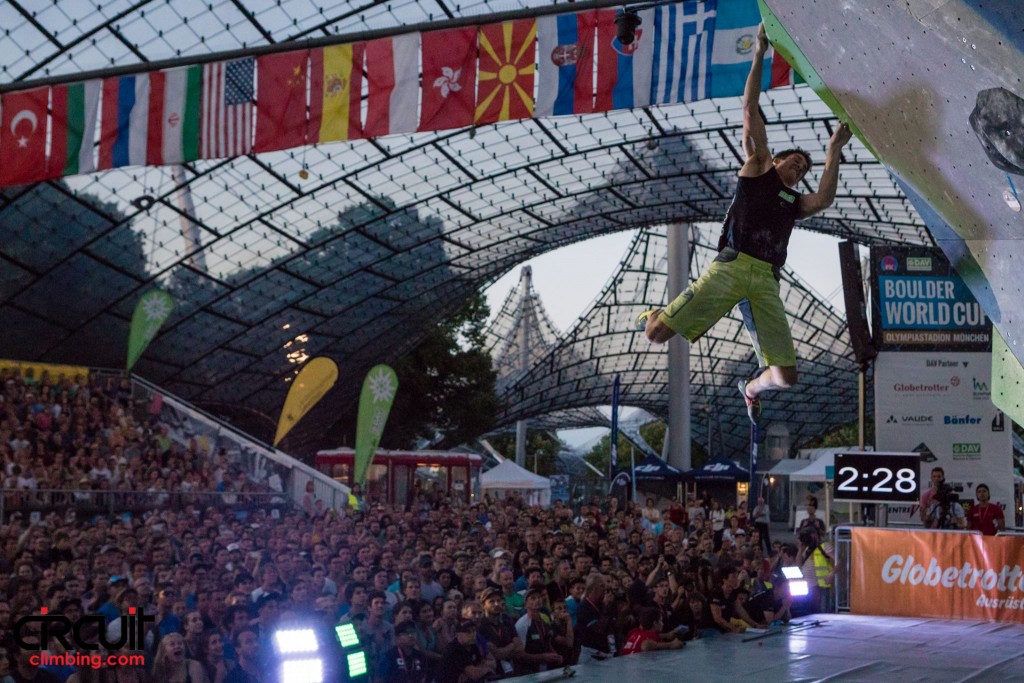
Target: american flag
x=226 y=129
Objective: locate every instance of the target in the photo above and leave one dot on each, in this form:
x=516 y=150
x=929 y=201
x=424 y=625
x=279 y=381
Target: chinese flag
x=449 y=77
x=281 y=101
x=23 y=127
x=507 y=64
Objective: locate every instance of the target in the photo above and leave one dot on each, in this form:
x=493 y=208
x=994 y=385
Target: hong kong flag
x=449 y=78
x=23 y=122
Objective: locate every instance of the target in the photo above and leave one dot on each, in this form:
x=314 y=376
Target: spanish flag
x=336 y=75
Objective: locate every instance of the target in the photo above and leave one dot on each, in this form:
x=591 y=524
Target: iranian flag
x=174 y=113
x=75 y=108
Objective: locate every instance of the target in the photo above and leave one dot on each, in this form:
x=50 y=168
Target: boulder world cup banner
x=919 y=303
x=933 y=574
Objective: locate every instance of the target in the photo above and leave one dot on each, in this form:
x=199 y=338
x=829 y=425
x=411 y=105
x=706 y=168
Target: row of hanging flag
x=437 y=80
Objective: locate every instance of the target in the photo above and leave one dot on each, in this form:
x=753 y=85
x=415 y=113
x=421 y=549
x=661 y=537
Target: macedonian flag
x=507 y=64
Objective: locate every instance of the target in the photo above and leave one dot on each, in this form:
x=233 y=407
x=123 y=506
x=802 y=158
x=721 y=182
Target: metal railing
x=91 y=502
x=257 y=458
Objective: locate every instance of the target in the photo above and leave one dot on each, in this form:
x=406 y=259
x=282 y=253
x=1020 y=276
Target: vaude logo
x=961 y=420
x=910 y=420
x=34 y=631
x=967 y=449
x=919 y=263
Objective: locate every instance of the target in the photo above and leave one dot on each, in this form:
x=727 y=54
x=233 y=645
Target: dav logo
x=967 y=449
x=919 y=264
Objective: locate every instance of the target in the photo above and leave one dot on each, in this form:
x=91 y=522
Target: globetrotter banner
x=563 y=64
x=940 y=405
x=934 y=574
x=919 y=303
x=309 y=386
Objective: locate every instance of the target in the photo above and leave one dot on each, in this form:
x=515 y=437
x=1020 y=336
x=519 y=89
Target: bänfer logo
x=69 y=633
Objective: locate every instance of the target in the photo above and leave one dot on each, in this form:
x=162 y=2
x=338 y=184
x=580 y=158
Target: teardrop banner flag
x=313 y=381
x=150 y=313
x=375 y=401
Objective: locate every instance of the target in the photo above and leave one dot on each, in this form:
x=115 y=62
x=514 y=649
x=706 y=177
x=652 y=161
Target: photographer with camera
x=945 y=511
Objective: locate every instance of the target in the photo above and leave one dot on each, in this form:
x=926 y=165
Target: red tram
x=395 y=476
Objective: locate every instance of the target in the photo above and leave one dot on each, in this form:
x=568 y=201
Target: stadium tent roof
x=605 y=342
x=384 y=239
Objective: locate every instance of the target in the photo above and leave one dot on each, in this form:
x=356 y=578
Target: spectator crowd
x=436 y=591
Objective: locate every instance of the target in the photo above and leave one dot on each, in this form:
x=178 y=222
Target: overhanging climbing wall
x=934 y=88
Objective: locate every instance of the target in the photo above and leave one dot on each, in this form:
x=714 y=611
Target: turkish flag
x=23 y=127
x=281 y=101
x=449 y=78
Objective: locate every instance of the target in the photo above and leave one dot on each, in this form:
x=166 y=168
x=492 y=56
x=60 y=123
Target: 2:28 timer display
x=878 y=477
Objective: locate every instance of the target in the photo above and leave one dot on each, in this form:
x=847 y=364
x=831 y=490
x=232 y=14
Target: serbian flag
x=624 y=71
x=449 y=77
x=507 y=65
x=392 y=77
x=281 y=103
x=125 y=121
x=23 y=123
x=336 y=83
x=75 y=113
x=565 y=64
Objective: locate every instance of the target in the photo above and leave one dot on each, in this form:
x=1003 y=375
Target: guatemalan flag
x=735 y=45
x=565 y=64
x=682 y=46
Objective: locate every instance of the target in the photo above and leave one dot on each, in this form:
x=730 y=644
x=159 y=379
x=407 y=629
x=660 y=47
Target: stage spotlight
x=294 y=641
x=346 y=635
x=797 y=584
x=302 y=671
x=355 y=659
x=356 y=663
x=626 y=23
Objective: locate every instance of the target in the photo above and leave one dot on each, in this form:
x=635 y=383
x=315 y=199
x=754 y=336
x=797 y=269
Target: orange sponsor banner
x=934 y=574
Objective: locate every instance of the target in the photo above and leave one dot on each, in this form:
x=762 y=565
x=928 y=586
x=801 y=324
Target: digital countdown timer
x=865 y=477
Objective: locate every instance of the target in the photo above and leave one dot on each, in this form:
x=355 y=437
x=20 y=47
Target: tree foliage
x=446 y=390
x=843 y=435
x=653 y=433
x=542 y=449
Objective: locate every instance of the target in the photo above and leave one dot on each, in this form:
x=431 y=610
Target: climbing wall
x=934 y=88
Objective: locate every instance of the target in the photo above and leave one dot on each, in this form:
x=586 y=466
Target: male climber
x=753 y=249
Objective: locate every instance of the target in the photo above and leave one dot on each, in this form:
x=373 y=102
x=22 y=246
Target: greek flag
x=683 y=37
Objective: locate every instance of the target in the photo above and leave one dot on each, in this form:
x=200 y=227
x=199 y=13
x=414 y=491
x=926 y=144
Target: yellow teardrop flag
x=314 y=380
